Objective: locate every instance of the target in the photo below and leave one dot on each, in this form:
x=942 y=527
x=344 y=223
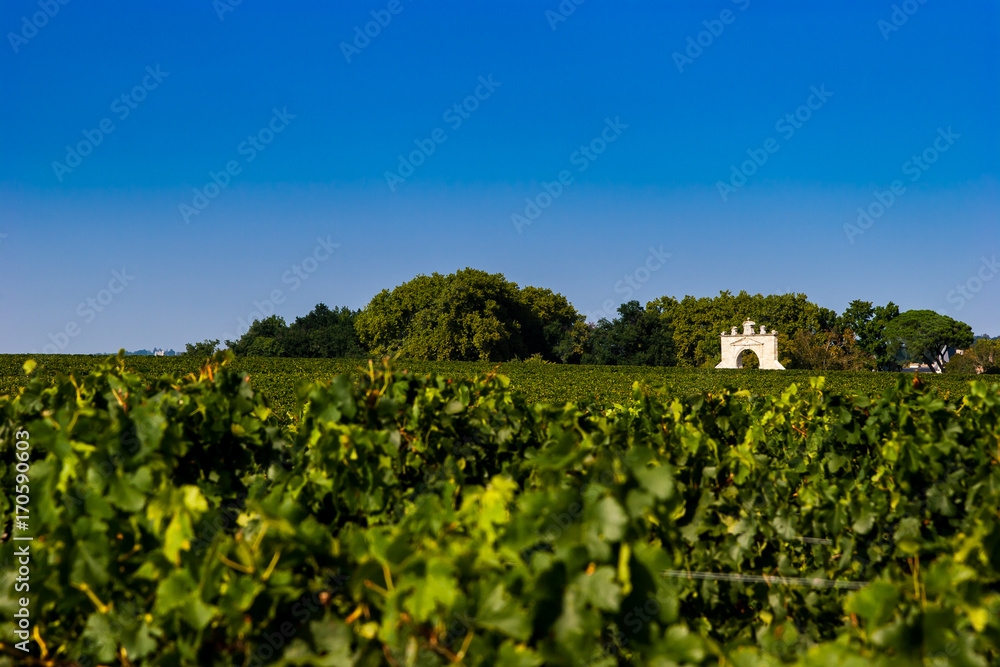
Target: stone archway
x=764 y=344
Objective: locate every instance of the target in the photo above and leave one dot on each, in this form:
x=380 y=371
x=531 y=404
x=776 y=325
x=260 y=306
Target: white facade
x=763 y=344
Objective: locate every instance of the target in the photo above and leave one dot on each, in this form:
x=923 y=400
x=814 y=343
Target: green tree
x=468 y=315
x=868 y=324
x=323 y=333
x=637 y=337
x=555 y=328
x=828 y=350
x=572 y=344
x=697 y=322
x=384 y=325
x=262 y=339
x=925 y=336
x=206 y=348
x=982 y=357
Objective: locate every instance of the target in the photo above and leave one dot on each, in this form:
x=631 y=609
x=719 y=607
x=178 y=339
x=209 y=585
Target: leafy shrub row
x=401 y=518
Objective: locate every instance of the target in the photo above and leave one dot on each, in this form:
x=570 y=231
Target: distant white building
x=763 y=344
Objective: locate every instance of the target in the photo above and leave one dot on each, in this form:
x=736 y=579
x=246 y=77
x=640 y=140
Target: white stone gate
x=763 y=344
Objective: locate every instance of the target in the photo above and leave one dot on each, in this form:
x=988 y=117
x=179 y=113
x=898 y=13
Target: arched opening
x=747 y=359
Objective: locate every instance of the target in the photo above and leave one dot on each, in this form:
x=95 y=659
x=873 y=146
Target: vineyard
x=276 y=378
x=526 y=515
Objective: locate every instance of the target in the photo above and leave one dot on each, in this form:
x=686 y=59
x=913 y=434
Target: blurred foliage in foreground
x=398 y=518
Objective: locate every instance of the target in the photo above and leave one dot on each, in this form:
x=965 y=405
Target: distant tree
x=206 y=348
x=828 y=350
x=697 y=322
x=467 y=315
x=323 y=333
x=262 y=339
x=388 y=320
x=868 y=324
x=555 y=329
x=925 y=336
x=474 y=316
x=982 y=357
x=570 y=344
x=637 y=337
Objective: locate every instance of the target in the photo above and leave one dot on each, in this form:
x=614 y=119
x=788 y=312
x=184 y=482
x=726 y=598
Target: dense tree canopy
x=556 y=327
x=321 y=333
x=206 y=348
x=834 y=350
x=473 y=315
x=637 y=337
x=697 y=323
x=982 y=357
x=468 y=315
x=925 y=336
x=868 y=324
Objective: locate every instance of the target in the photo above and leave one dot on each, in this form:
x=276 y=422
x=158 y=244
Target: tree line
x=472 y=315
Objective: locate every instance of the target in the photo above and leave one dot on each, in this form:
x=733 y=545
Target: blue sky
x=739 y=138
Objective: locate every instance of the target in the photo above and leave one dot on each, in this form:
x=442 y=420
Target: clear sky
x=168 y=168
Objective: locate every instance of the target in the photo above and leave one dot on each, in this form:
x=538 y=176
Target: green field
x=554 y=383
x=408 y=519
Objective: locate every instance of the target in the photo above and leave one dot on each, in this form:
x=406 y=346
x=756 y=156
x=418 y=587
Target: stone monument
x=763 y=344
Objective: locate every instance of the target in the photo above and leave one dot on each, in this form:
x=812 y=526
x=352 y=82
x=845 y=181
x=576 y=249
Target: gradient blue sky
x=323 y=175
